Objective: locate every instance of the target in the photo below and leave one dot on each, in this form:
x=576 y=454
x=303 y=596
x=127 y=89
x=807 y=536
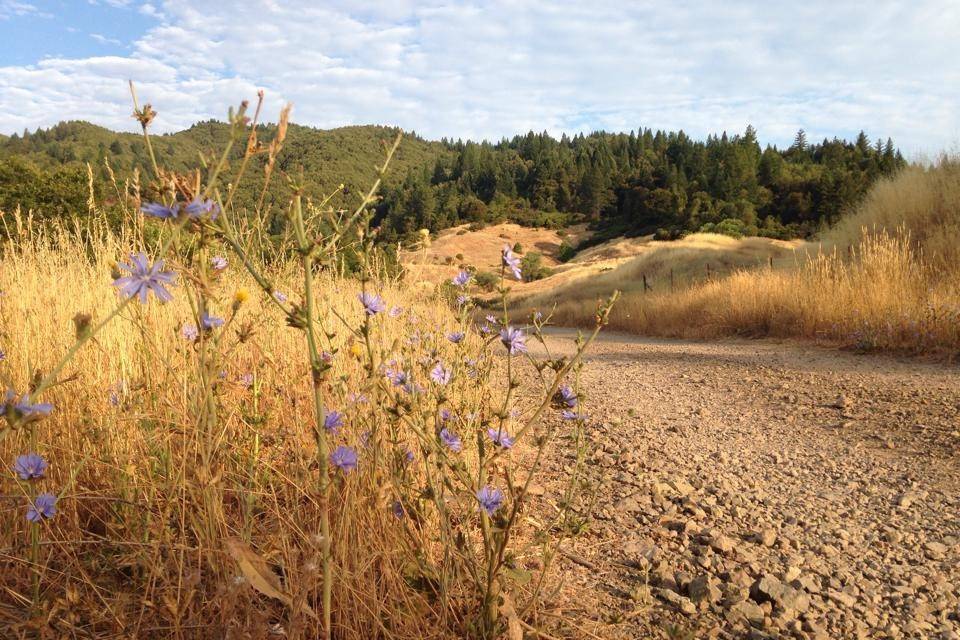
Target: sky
x=485 y=70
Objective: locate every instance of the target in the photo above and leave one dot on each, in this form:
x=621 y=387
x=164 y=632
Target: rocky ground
x=763 y=490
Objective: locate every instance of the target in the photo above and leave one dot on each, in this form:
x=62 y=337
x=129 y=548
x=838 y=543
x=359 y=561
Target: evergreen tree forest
x=642 y=182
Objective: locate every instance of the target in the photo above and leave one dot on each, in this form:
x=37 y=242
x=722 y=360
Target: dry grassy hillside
x=481 y=248
x=885 y=278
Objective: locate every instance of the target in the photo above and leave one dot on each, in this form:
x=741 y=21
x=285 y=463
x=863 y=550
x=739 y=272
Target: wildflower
x=159 y=210
x=490 y=499
x=145 y=278
x=372 y=304
x=190 y=332
x=246 y=380
x=514 y=340
x=485 y=329
x=209 y=322
x=490 y=319
x=43 y=506
x=357 y=398
x=356 y=350
x=456 y=337
x=500 y=437
x=398 y=377
x=115 y=392
x=240 y=296
x=462 y=300
x=344 y=458
x=567 y=414
x=440 y=374
x=461 y=279
x=395 y=312
x=279 y=296
x=219 y=263
x=198 y=207
x=511 y=261
x=3 y=356
x=537 y=316
x=333 y=420
x=23 y=408
x=30 y=466
x=397 y=509
x=409 y=456
x=451 y=440
x=565 y=395
x=445 y=414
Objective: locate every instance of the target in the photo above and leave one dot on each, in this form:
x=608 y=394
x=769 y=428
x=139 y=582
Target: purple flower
x=145 y=278
x=445 y=414
x=209 y=322
x=357 y=398
x=372 y=304
x=451 y=440
x=190 y=332
x=344 y=458
x=409 y=456
x=279 y=296
x=159 y=210
x=462 y=300
x=461 y=279
x=441 y=375
x=500 y=437
x=485 y=329
x=456 y=337
x=397 y=509
x=395 y=312
x=23 y=408
x=3 y=356
x=219 y=263
x=116 y=391
x=246 y=380
x=514 y=340
x=490 y=499
x=490 y=319
x=567 y=414
x=397 y=376
x=511 y=261
x=333 y=420
x=565 y=395
x=198 y=207
x=43 y=506
x=30 y=466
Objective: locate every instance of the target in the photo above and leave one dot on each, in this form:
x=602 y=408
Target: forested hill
x=634 y=183
x=46 y=170
x=642 y=182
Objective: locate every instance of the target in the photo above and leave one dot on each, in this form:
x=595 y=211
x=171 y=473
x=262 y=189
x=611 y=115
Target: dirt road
x=755 y=489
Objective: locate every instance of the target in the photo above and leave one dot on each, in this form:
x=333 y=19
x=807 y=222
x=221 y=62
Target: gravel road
x=752 y=489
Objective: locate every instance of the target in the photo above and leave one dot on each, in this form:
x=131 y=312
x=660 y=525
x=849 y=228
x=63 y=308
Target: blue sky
x=493 y=68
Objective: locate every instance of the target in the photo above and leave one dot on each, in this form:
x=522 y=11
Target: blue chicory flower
x=440 y=374
x=219 y=263
x=22 y=407
x=344 y=458
x=490 y=499
x=456 y=337
x=461 y=279
x=333 y=420
x=30 y=466
x=451 y=440
x=500 y=437
x=145 y=278
x=511 y=261
x=514 y=340
x=372 y=303
x=43 y=506
x=209 y=322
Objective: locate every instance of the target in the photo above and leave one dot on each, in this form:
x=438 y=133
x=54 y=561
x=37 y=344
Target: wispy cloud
x=495 y=68
x=13 y=8
x=105 y=40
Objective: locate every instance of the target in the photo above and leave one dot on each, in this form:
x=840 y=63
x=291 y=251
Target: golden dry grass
x=133 y=550
x=885 y=278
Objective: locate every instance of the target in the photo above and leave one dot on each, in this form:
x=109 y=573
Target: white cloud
x=14 y=8
x=102 y=39
x=499 y=67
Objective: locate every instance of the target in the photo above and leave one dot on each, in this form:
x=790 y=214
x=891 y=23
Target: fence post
x=646 y=287
x=671 y=280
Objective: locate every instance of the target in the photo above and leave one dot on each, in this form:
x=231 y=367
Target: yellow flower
x=240 y=296
x=356 y=350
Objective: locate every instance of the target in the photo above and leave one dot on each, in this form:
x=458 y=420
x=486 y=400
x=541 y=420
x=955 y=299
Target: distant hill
x=346 y=155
